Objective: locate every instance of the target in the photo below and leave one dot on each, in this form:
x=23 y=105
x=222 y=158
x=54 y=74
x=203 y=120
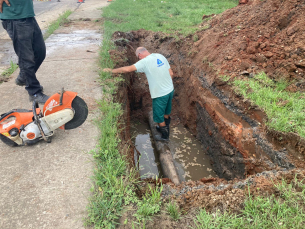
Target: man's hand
x=105 y=69
x=1 y=3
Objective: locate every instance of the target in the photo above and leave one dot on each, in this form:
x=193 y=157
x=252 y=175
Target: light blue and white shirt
x=156 y=68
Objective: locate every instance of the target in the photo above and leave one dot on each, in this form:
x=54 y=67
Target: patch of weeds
x=55 y=24
x=225 y=78
x=205 y=220
x=284 y=211
x=285 y=110
x=10 y=70
x=141 y=224
x=195 y=38
x=173 y=210
x=150 y=203
x=205 y=27
x=177 y=12
x=271 y=212
x=159 y=23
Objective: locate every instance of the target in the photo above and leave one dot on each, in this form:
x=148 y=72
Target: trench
x=190 y=159
x=230 y=135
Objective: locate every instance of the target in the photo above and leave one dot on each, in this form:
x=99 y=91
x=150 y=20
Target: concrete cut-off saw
x=63 y=110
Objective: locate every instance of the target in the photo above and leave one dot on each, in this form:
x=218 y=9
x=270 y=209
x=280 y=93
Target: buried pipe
x=165 y=155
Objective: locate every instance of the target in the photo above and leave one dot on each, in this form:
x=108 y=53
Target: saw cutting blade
x=80 y=113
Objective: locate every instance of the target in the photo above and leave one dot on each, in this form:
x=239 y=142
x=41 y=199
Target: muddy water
x=190 y=159
x=192 y=163
x=145 y=156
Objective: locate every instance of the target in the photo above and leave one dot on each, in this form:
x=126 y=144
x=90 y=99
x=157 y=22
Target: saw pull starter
x=64 y=110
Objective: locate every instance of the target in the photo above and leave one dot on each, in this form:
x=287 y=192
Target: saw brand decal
x=6 y=125
x=52 y=104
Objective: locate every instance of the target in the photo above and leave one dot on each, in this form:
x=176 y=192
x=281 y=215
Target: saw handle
x=61 y=96
x=37 y=121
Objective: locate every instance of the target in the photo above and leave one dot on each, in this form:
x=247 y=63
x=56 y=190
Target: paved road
x=42 y=7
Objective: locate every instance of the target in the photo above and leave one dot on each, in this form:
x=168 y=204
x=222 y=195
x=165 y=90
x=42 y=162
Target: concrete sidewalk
x=46 y=13
x=47 y=185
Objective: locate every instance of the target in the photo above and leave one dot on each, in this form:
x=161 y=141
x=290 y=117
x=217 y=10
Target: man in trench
x=159 y=76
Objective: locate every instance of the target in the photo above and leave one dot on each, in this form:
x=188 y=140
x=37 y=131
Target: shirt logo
x=159 y=63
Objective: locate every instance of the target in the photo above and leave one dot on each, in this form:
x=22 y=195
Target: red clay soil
x=232 y=199
x=260 y=35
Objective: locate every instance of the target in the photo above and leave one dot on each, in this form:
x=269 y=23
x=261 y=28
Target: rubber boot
x=164 y=134
x=167 y=122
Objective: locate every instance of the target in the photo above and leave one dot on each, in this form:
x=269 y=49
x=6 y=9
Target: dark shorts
x=162 y=106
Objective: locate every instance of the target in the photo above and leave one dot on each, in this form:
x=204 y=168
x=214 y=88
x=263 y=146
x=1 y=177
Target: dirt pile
x=230 y=196
x=260 y=35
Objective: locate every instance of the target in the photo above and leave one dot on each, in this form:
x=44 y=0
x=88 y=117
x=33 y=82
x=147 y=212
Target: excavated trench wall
x=230 y=129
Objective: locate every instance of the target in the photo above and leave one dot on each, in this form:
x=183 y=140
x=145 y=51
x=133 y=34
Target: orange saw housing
x=53 y=103
x=16 y=119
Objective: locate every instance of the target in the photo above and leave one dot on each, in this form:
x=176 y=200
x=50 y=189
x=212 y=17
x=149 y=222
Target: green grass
x=150 y=204
x=285 y=211
x=285 y=110
x=173 y=210
x=113 y=188
x=10 y=70
x=181 y=16
x=55 y=24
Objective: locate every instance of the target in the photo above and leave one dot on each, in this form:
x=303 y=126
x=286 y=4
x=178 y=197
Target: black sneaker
x=39 y=97
x=21 y=82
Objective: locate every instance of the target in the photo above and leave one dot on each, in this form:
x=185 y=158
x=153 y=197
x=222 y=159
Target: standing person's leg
x=22 y=31
x=168 y=110
x=39 y=46
x=160 y=105
x=39 y=49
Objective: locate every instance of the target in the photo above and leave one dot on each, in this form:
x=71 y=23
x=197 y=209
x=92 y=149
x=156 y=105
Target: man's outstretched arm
x=125 y=69
x=1 y=3
x=171 y=72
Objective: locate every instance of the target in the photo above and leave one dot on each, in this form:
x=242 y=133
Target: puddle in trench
x=189 y=157
x=148 y=161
